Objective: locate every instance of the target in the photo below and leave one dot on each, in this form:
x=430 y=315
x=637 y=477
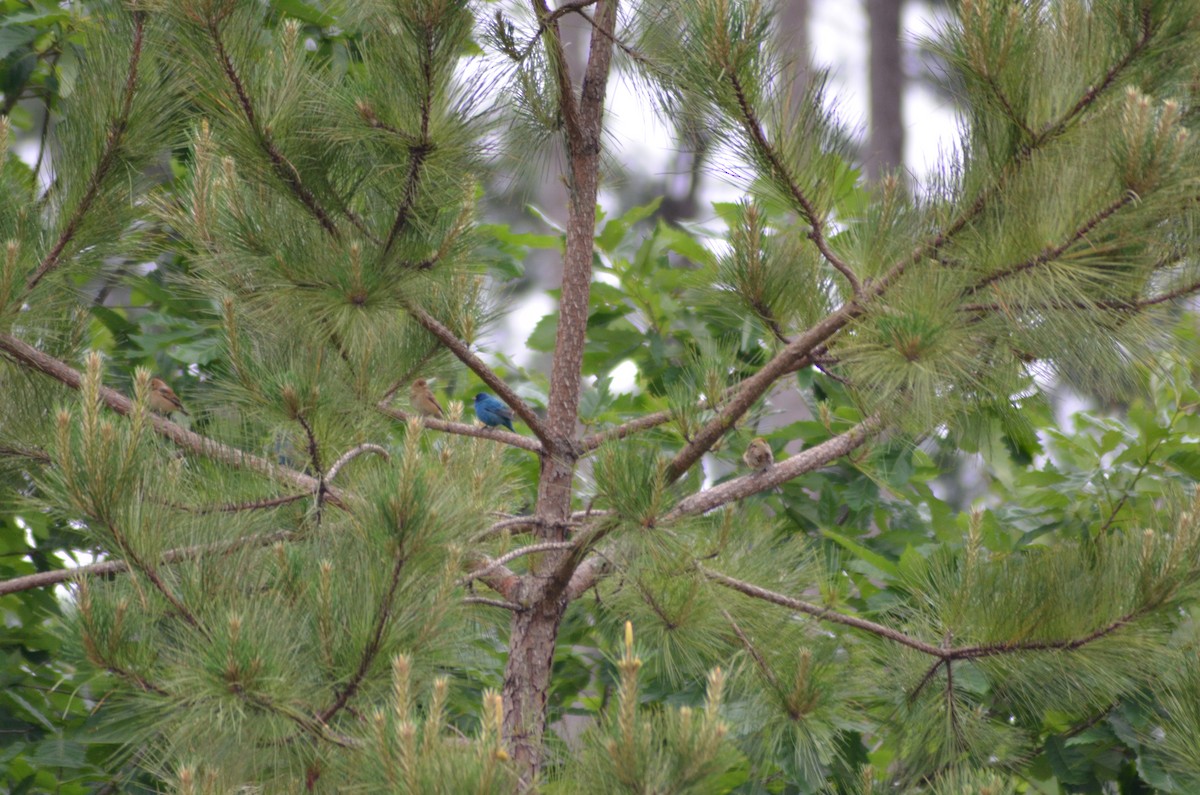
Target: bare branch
x=495 y=564
x=353 y=453
x=462 y=429
x=805 y=461
x=587 y=574
x=483 y=600
x=46 y=578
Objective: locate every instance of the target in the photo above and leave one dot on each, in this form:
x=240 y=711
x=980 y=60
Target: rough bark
x=543 y=590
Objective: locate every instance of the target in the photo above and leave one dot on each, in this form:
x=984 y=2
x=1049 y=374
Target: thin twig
x=811 y=214
x=46 y=578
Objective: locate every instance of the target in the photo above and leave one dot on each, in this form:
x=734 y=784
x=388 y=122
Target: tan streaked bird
x=758 y=455
x=163 y=399
x=422 y=399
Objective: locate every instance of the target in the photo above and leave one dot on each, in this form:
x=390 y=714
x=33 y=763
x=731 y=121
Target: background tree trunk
x=885 y=146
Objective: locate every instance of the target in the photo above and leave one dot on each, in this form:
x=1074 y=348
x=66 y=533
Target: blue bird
x=491 y=411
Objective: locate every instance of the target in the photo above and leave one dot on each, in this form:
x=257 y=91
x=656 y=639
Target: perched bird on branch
x=758 y=455
x=422 y=399
x=163 y=399
x=491 y=411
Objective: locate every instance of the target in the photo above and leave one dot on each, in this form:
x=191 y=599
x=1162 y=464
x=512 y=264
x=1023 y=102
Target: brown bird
x=422 y=399
x=758 y=455
x=163 y=399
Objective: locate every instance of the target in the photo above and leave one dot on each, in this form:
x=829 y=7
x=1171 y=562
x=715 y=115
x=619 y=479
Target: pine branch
x=8 y=451
x=485 y=373
x=548 y=25
x=282 y=167
x=28 y=356
x=643 y=423
x=1009 y=111
x=492 y=565
x=1051 y=253
x=483 y=600
x=150 y=572
x=1047 y=133
x=944 y=654
x=754 y=387
x=1131 y=305
x=382 y=615
x=813 y=216
x=253 y=505
x=417 y=153
x=650 y=421
x=755 y=654
x=104 y=166
x=821 y=613
x=43 y=579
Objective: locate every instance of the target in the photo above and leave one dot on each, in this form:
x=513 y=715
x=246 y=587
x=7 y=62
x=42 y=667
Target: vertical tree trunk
x=543 y=591
x=885 y=148
x=793 y=43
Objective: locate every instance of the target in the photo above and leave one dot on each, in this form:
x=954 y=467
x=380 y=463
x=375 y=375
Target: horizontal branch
x=942 y=653
x=477 y=365
x=462 y=429
x=28 y=356
x=801 y=463
x=43 y=579
x=821 y=613
x=483 y=600
x=644 y=423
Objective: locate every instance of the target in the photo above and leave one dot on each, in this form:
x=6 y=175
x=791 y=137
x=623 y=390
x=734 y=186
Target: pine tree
x=310 y=587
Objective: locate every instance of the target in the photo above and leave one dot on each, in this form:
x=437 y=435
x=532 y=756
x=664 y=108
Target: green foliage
x=288 y=196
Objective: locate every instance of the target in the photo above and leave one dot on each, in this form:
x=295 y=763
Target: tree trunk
x=793 y=43
x=543 y=591
x=885 y=149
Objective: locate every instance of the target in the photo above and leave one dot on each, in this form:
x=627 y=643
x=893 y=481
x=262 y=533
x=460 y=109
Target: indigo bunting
x=758 y=455
x=422 y=399
x=491 y=411
x=163 y=399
